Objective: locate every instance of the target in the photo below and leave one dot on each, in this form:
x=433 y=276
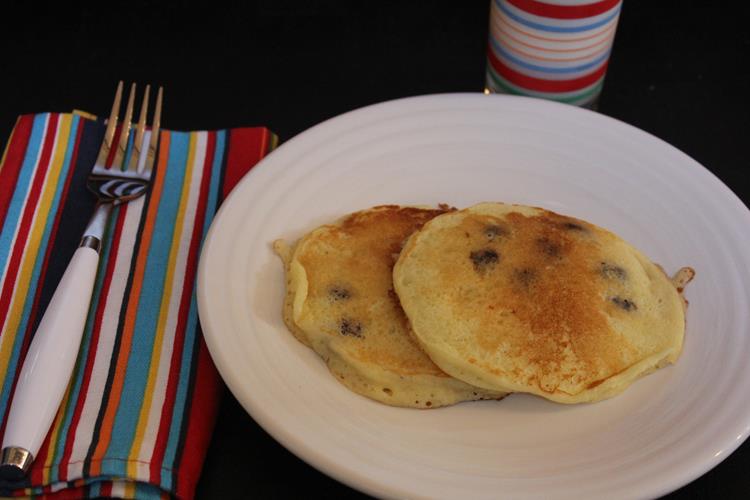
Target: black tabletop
x=678 y=70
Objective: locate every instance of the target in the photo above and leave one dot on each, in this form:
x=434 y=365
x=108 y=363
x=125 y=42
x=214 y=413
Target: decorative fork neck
x=94 y=233
x=117 y=186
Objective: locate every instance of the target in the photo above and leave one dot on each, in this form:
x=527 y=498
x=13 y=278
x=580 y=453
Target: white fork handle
x=52 y=355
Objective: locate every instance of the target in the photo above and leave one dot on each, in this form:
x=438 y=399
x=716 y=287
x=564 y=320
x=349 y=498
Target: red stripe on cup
x=564 y=11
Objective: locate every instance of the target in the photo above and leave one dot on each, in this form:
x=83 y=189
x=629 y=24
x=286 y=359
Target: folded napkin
x=139 y=411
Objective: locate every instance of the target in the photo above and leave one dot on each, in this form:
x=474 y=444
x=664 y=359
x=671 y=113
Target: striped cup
x=554 y=49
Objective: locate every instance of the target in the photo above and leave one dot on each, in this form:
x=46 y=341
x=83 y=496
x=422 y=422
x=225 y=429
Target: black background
x=678 y=70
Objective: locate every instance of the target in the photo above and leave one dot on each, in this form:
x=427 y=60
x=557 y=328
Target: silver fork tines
x=115 y=183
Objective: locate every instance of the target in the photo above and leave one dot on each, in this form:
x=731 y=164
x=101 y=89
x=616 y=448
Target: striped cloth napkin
x=138 y=414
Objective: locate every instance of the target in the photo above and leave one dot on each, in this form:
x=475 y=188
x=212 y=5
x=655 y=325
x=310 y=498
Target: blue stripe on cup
x=556 y=29
x=549 y=69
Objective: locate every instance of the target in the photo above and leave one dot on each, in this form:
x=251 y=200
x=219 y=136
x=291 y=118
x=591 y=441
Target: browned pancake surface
x=535 y=301
x=340 y=277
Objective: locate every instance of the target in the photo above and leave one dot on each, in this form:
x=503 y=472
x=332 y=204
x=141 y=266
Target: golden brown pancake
x=521 y=299
x=340 y=302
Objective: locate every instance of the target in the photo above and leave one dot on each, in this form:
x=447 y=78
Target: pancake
x=521 y=299
x=340 y=302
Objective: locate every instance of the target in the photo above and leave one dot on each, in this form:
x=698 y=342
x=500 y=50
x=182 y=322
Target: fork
x=51 y=357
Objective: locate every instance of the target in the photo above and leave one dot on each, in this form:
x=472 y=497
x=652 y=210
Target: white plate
x=664 y=431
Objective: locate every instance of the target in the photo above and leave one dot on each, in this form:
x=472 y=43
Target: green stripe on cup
x=499 y=83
